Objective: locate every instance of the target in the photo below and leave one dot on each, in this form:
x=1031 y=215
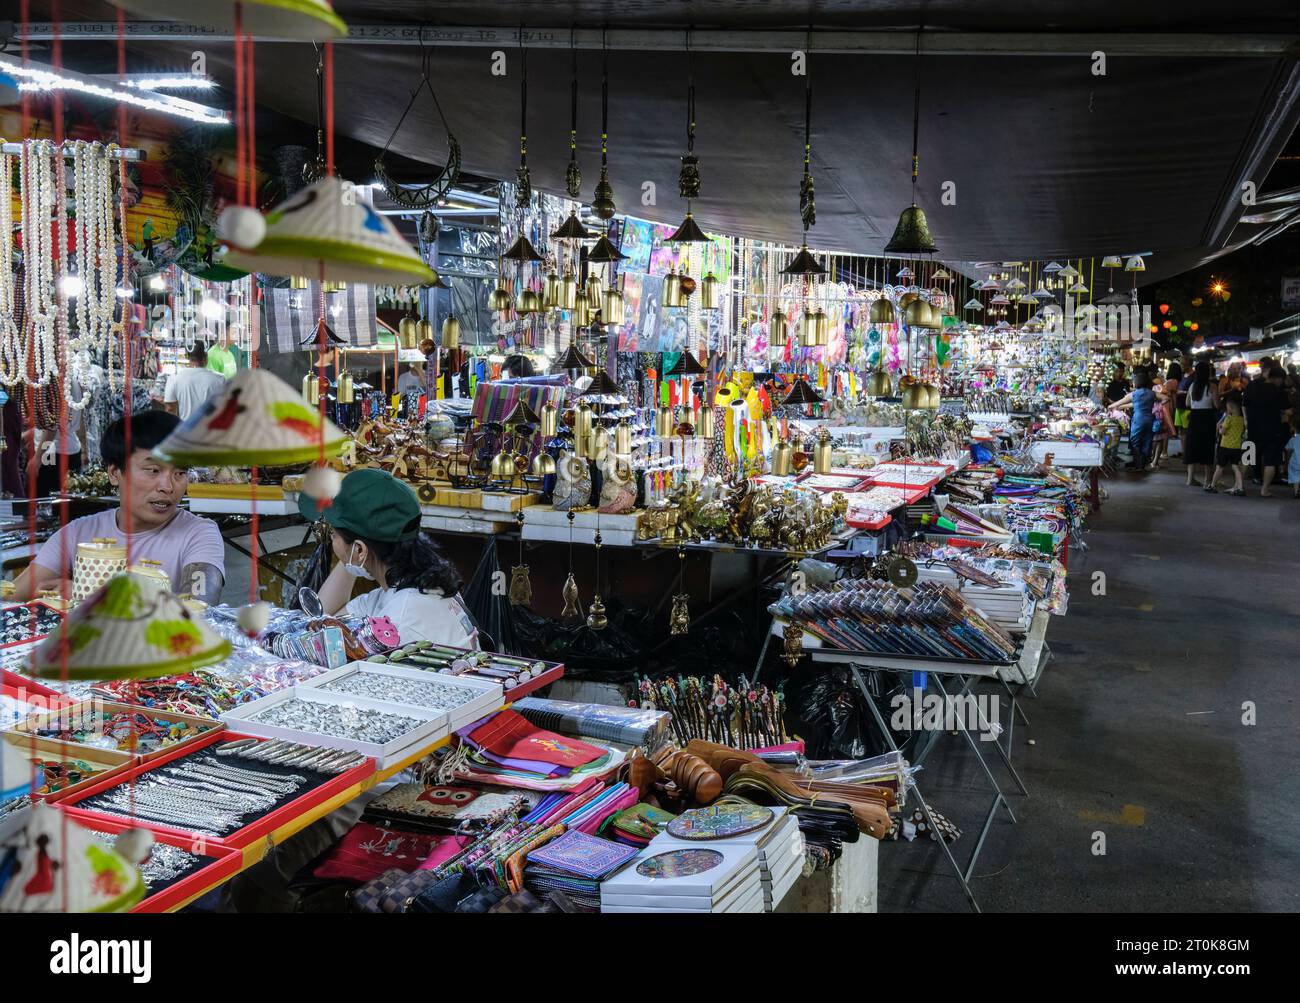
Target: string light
x=33 y=77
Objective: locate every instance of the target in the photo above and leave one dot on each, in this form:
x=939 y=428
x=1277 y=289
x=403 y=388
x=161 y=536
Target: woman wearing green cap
x=376 y=523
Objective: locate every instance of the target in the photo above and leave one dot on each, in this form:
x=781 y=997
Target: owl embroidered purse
x=443 y=808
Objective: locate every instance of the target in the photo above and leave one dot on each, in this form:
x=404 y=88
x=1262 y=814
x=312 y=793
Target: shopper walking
x=1264 y=403
x=1203 y=407
x=1140 y=401
x=189 y=388
x=1232 y=430
x=1293 y=454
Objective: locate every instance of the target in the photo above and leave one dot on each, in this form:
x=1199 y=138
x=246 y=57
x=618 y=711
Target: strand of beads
x=37 y=361
x=10 y=350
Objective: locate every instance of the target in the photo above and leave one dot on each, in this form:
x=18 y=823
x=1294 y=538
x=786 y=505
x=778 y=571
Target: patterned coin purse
x=443 y=807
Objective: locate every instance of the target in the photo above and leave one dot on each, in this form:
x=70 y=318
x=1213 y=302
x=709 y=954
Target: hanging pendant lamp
x=912 y=234
x=131 y=628
x=301 y=20
x=686 y=365
x=802 y=393
x=256 y=419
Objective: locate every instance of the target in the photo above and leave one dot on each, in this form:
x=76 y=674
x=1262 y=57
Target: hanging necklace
x=10 y=351
x=36 y=191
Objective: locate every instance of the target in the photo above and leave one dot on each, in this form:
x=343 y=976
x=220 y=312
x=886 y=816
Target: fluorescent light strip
x=35 y=77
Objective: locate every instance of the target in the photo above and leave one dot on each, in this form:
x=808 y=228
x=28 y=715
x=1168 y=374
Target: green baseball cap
x=372 y=504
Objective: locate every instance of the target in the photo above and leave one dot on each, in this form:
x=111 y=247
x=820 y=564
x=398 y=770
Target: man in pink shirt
x=188 y=547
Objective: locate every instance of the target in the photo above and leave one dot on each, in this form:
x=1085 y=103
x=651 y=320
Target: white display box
x=243 y=506
x=459 y=520
x=488 y=695
x=542 y=522
x=433 y=728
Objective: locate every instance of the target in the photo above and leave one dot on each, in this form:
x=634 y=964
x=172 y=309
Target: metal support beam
x=894 y=42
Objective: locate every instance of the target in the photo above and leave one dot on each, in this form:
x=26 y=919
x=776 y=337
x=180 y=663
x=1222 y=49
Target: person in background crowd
x=518 y=367
x=1203 y=408
x=1293 y=457
x=189 y=388
x=1162 y=426
x=1264 y=403
x=375 y=520
x=1233 y=379
x=188 y=547
x=413 y=379
x=1117 y=387
x=1232 y=430
x=1140 y=401
x=1279 y=379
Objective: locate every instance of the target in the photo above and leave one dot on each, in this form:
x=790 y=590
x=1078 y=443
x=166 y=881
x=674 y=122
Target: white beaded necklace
x=9 y=348
x=38 y=358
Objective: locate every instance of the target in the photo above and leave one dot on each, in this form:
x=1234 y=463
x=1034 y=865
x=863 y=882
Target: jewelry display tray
x=75 y=710
x=488 y=696
x=223 y=863
x=334 y=791
x=113 y=762
x=393 y=751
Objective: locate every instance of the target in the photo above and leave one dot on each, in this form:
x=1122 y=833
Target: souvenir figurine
x=572 y=483
x=618 y=485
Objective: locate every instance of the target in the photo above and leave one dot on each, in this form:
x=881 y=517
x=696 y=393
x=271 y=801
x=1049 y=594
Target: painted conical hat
x=327 y=226
x=309 y=20
x=62 y=867
x=255 y=420
x=131 y=627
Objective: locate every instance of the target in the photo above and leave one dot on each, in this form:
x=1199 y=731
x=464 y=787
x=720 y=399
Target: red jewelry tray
x=225 y=863
x=240 y=838
x=536 y=683
x=880 y=523
x=35 y=637
x=14 y=681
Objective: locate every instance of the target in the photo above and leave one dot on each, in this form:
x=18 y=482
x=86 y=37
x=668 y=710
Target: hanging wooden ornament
x=792 y=649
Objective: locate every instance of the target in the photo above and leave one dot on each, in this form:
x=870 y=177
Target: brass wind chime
x=814 y=324
x=572 y=600
x=679 y=619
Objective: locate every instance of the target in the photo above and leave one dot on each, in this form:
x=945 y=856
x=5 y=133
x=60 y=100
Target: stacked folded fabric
x=574 y=864
x=506 y=748
x=720 y=876
x=636 y=826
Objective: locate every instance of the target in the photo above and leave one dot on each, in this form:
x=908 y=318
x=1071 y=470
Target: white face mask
x=357 y=570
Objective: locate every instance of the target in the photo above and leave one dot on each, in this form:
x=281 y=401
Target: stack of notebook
x=717 y=876
x=574 y=864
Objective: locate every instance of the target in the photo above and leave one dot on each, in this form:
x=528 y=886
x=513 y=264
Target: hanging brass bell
x=450 y=332
x=581 y=315
x=598 y=444
x=329 y=288
x=602 y=200
x=527 y=302
x=672 y=295
x=550 y=420
x=882 y=311
x=912 y=396
x=501 y=299
x=299 y=282
x=423 y=332
x=665 y=423
x=623 y=438
x=822 y=453
x=709 y=292
x=808 y=329
x=583 y=420
x=880 y=384
x=704 y=424
x=580 y=446
x=778 y=327
x=406 y=331
x=934 y=397
x=543 y=465
x=917 y=313
x=311 y=389
x=783 y=458
x=503 y=466
x=568 y=292
x=612 y=307
x=822 y=326
x=346 y=391
x=551 y=292
x=595 y=289
x=912 y=234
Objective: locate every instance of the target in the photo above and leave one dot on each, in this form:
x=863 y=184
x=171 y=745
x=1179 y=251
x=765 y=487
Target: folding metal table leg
x=975 y=746
x=963 y=877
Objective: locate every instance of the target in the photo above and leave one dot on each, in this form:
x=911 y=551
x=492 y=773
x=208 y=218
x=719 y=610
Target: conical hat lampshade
x=326 y=228
x=255 y=420
x=307 y=20
x=59 y=866
x=132 y=627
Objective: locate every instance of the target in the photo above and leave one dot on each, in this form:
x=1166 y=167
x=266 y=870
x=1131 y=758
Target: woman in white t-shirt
x=376 y=523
